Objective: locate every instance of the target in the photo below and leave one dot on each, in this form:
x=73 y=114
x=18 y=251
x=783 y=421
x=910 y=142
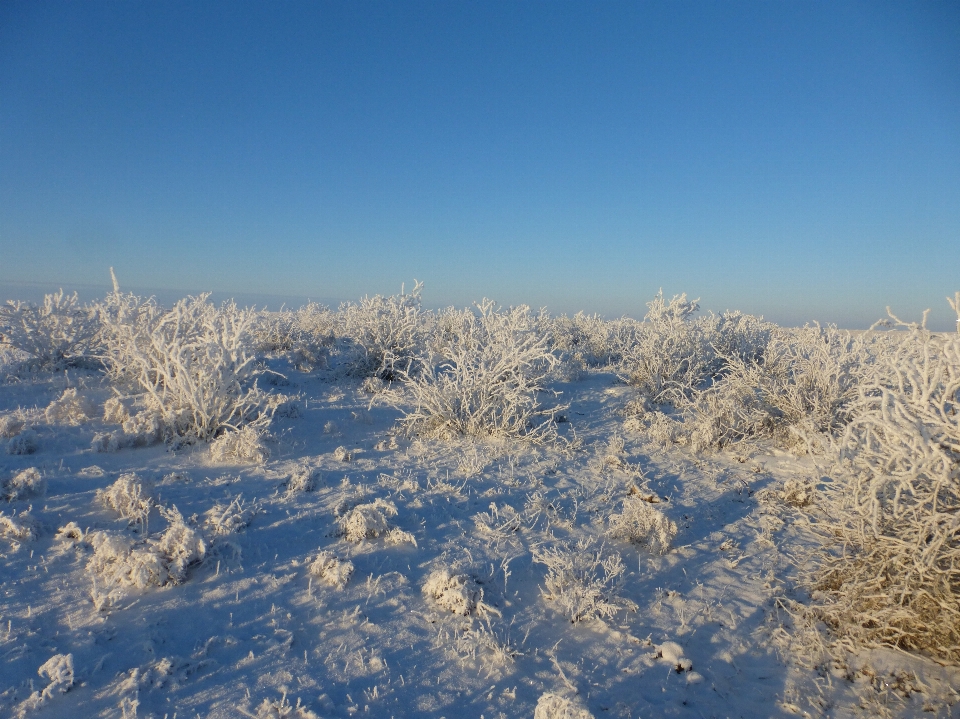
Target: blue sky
x=798 y=160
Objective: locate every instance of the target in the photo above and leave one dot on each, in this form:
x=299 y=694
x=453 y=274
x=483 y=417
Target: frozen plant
x=554 y=706
x=583 y=580
x=369 y=521
x=225 y=519
x=282 y=709
x=342 y=454
x=193 y=363
x=27 y=442
x=331 y=570
x=457 y=593
x=10 y=425
x=19 y=527
x=72 y=408
x=642 y=523
x=115 y=411
x=386 y=331
x=121 y=561
x=487 y=380
x=243 y=445
x=59 y=332
x=58 y=669
x=889 y=571
x=181 y=545
x=24 y=484
x=130 y=497
x=303 y=479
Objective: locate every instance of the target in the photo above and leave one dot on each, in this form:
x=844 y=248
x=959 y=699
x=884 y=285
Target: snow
x=355 y=569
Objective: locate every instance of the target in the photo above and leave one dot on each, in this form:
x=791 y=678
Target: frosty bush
x=27 y=442
x=71 y=408
x=369 y=521
x=489 y=375
x=192 y=362
x=130 y=497
x=387 y=333
x=332 y=570
x=303 y=479
x=181 y=545
x=243 y=445
x=671 y=355
x=307 y=335
x=583 y=580
x=640 y=522
x=121 y=561
x=19 y=527
x=457 y=593
x=10 y=425
x=554 y=706
x=890 y=569
x=800 y=393
x=23 y=485
x=225 y=519
x=583 y=341
x=57 y=333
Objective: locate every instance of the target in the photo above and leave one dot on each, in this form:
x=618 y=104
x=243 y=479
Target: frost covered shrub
x=332 y=570
x=303 y=479
x=283 y=709
x=27 y=442
x=642 y=523
x=192 y=363
x=19 y=527
x=181 y=545
x=890 y=569
x=486 y=380
x=71 y=408
x=457 y=593
x=115 y=411
x=23 y=485
x=243 y=445
x=583 y=580
x=387 y=333
x=57 y=333
x=10 y=425
x=671 y=355
x=130 y=497
x=369 y=521
x=583 y=341
x=307 y=335
x=225 y=519
x=800 y=392
x=554 y=706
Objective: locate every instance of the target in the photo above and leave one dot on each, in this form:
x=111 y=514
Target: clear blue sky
x=799 y=160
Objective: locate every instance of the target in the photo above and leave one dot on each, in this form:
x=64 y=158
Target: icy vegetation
x=385 y=510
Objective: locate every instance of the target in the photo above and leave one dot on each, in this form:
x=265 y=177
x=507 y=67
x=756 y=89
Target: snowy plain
x=441 y=604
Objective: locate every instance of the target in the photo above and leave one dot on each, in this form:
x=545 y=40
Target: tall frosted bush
x=890 y=569
x=193 y=363
x=387 y=333
x=485 y=379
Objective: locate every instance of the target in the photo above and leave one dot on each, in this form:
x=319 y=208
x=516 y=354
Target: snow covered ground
x=471 y=562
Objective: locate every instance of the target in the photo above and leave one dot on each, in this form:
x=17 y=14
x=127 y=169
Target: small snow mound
x=332 y=570
x=553 y=706
x=672 y=653
x=244 y=445
x=59 y=670
x=27 y=483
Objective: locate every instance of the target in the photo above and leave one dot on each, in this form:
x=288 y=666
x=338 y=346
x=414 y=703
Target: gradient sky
x=798 y=160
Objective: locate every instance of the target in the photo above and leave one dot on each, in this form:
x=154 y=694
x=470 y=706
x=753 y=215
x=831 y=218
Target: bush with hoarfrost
x=283 y=709
x=671 y=355
x=243 y=445
x=225 y=519
x=331 y=570
x=23 y=485
x=486 y=380
x=20 y=527
x=554 y=706
x=306 y=335
x=58 y=333
x=192 y=363
x=889 y=571
x=26 y=442
x=131 y=497
x=457 y=593
x=10 y=425
x=642 y=523
x=369 y=521
x=71 y=409
x=59 y=673
x=181 y=544
x=387 y=333
x=583 y=580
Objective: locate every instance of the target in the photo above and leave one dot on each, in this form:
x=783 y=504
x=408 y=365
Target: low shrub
x=58 y=333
